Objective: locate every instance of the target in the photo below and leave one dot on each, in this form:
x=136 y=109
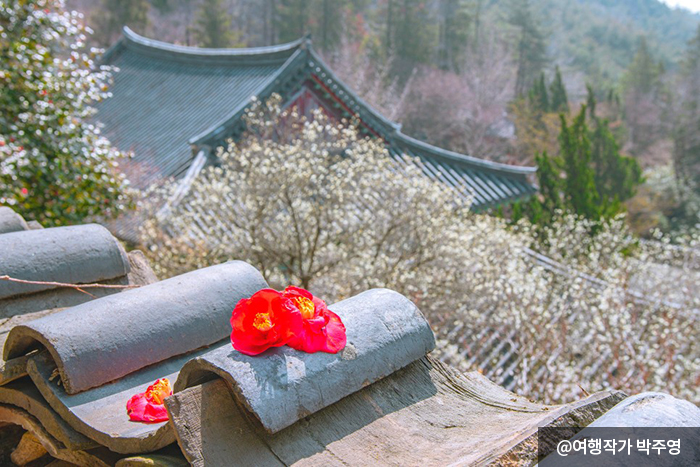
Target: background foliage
x=54 y=165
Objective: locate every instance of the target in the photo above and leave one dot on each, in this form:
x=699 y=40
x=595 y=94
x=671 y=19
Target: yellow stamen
x=306 y=306
x=159 y=391
x=262 y=322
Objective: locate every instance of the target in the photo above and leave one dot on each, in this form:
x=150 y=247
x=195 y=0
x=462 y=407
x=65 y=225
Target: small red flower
x=263 y=321
x=322 y=329
x=149 y=406
x=24 y=191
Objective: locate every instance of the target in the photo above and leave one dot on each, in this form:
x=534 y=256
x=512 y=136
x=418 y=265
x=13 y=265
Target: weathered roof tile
x=385 y=332
x=108 y=338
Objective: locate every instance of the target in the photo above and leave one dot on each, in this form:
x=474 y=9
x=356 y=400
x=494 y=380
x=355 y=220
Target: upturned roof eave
x=463 y=158
x=130 y=37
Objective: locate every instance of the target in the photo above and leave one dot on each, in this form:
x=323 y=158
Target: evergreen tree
x=214 y=26
x=686 y=149
x=616 y=176
x=330 y=23
x=643 y=73
x=293 y=19
x=411 y=33
x=575 y=151
x=550 y=182
x=54 y=166
x=113 y=16
x=589 y=177
x=268 y=17
x=590 y=100
x=644 y=98
x=541 y=210
x=161 y=5
x=454 y=33
x=559 y=102
x=531 y=47
x=538 y=97
x=323 y=19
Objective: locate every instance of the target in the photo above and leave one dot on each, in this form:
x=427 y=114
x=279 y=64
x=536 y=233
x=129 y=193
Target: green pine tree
x=454 y=33
x=616 y=176
x=538 y=97
x=323 y=19
x=531 y=49
x=331 y=14
x=550 y=182
x=214 y=26
x=644 y=73
x=590 y=100
x=575 y=151
x=589 y=177
x=559 y=102
x=411 y=33
x=686 y=135
x=645 y=99
x=293 y=18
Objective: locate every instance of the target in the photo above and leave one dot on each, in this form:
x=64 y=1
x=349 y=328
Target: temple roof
x=168 y=101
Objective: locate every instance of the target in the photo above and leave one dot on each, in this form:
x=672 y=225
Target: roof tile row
x=69 y=373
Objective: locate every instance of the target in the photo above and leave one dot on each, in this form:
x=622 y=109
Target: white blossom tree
x=311 y=203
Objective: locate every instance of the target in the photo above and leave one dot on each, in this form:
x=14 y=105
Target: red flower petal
x=265 y=320
x=148 y=407
x=322 y=329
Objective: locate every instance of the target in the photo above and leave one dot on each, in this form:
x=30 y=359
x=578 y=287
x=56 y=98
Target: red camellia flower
x=149 y=406
x=264 y=320
x=323 y=330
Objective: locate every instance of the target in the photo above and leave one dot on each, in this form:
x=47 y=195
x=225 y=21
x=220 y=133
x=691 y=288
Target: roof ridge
x=131 y=38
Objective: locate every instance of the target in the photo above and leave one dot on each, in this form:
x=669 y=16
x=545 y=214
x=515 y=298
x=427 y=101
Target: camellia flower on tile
x=265 y=320
x=322 y=329
x=149 y=406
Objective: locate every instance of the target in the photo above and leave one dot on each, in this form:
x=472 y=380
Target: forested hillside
x=599 y=37
x=595 y=37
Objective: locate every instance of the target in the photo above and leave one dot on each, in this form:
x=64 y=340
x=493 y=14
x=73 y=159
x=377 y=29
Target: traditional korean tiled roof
x=163 y=95
x=170 y=101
